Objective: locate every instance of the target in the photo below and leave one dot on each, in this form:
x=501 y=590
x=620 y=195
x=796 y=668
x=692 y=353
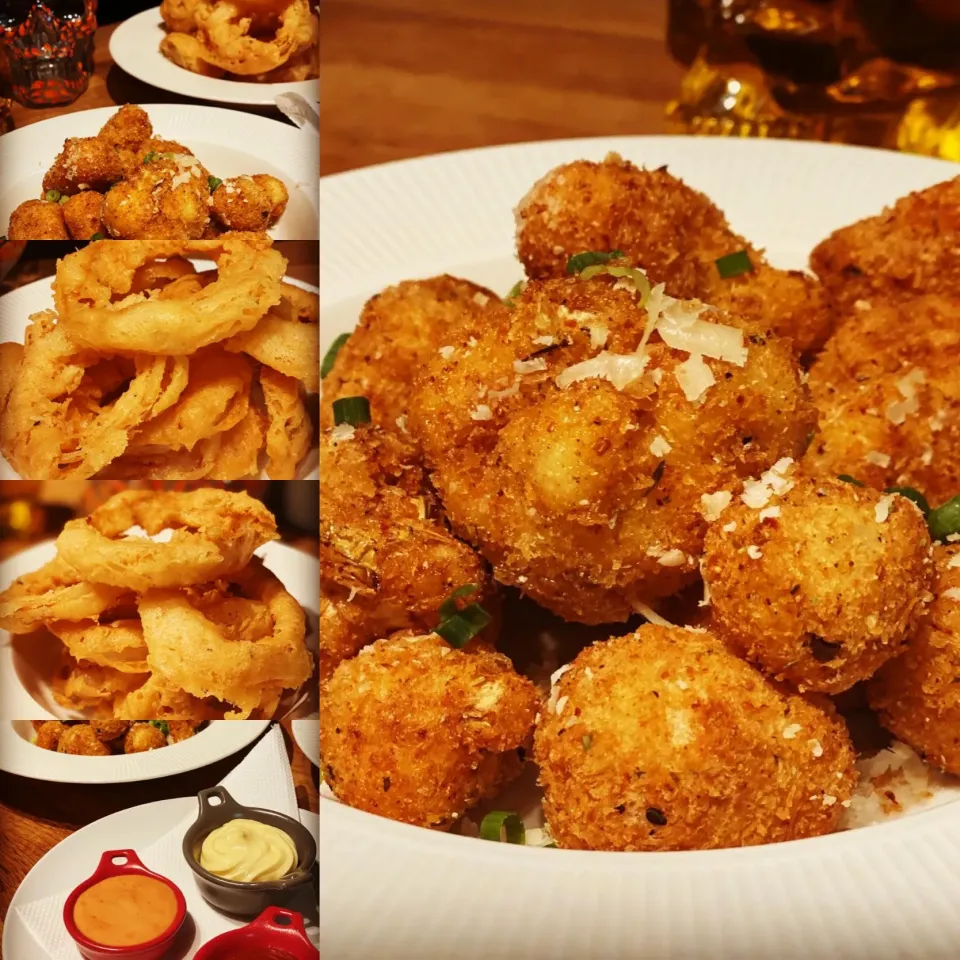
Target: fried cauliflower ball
x=249 y=203
x=108 y=730
x=671 y=231
x=84 y=163
x=142 y=737
x=664 y=740
x=571 y=445
x=49 y=733
x=387 y=560
x=128 y=128
x=181 y=730
x=908 y=249
x=917 y=696
x=418 y=731
x=81 y=740
x=888 y=388
x=817 y=581
x=83 y=214
x=400 y=329
x=37 y=220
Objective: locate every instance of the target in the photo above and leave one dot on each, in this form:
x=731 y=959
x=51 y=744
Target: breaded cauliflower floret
x=575 y=462
x=917 y=696
x=415 y=730
x=671 y=231
x=664 y=740
x=249 y=203
x=128 y=128
x=37 y=220
x=84 y=163
x=83 y=214
x=400 y=329
x=81 y=740
x=819 y=584
x=387 y=559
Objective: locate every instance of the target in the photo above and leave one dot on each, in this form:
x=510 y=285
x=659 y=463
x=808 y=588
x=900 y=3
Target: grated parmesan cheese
x=951 y=593
x=877 y=458
x=343 y=431
x=446 y=352
x=481 y=412
x=659 y=447
x=530 y=366
x=768 y=513
x=672 y=558
x=790 y=732
x=882 y=510
x=754 y=552
x=694 y=377
x=713 y=504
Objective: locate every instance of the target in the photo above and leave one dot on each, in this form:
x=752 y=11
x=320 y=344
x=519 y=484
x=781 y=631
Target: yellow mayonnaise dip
x=248 y=851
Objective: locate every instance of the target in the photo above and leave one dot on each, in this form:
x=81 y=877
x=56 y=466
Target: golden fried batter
x=663 y=740
x=671 y=231
x=400 y=329
x=83 y=214
x=819 y=584
x=387 y=560
x=84 y=163
x=415 y=730
x=249 y=203
x=917 y=696
x=49 y=734
x=142 y=737
x=583 y=495
x=908 y=249
x=110 y=729
x=37 y=220
x=83 y=741
x=128 y=128
x=186 y=51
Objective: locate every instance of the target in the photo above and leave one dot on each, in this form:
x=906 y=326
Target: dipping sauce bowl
x=277 y=934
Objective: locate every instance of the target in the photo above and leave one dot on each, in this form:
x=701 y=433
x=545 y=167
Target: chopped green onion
x=331 y=354
x=503 y=826
x=462 y=627
x=639 y=279
x=587 y=741
x=580 y=261
x=915 y=495
x=945 y=520
x=150 y=157
x=63 y=200
x=214 y=182
x=514 y=292
x=733 y=264
x=846 y=478
x=352 y=410
x=98 y=236
x=449 y=606
x=549 y=846
x=169 y=155
x=161 y=725
x=52 y=195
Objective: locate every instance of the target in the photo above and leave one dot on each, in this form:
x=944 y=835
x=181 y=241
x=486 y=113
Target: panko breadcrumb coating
x=142 y=737
x=249 y=203
x=910 y=248
x=38 y=220
x=917 y=696
x=887 y=385
x=583 y=495
x=418 y=731
x=664 y=740
x=83 y=215
x=83 y=741
x=399 y=331
x=671 y=231
x=84 y=163
x=108 y=730
x=387 y=560
x=128 y=128
x=817 y=581
x=49 y=734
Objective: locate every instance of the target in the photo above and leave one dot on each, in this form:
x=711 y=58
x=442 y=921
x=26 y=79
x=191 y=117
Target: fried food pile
x=149 y=369
x=130 y=184
x=110 y=738
x=654 y=421
x=254 y=41
x=188 y=627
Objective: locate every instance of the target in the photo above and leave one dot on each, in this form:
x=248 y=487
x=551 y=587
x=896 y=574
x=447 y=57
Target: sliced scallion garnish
x=52 y=196
x=464 y=625
x=590 y=258
x=331 y=355
x=915 y=495
x=63 y=199
x=97 y=236
x=503 y=826
x=734 y=264
x=161 y=725
x=846 y=478
x=637 y=277
x=945 y=520
x=449 y=606
x=352 y=410
x=213 y=183
x=150 y=157
x=514 y=292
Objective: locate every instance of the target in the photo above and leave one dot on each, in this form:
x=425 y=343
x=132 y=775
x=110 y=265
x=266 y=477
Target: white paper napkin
x=263 y=779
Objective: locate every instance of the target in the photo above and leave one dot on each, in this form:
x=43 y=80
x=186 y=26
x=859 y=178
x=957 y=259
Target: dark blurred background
x=109 y=11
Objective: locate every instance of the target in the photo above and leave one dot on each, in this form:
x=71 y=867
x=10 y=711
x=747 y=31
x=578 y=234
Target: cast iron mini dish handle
x=275 y=927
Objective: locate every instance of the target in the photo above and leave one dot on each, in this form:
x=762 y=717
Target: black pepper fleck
x=386 y=784
x=656 y=817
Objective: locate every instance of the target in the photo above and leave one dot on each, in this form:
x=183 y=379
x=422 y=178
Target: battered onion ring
x=159 y=463
x=289 y=430
x=56 y=591
x=189 y=651
x=118 y=645
x=248 y=284
x=214 y=534
x=10 y=356
x=93 y=689
x=158 y=273
x=155 y=700
x=238 y=456
x=285 y=345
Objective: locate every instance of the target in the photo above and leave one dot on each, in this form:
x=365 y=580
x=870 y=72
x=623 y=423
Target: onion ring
x=285 y=345
x=247 y=285
x=11 y=354
x=189 y=651
x=54 y=592
x=214 y=534
x=158 y=273
x=118 y=645
x=94 y=689
x=238 y=456
x=289 y=430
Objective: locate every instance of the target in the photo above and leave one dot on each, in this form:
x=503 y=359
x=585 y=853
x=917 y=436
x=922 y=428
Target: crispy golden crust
x=824 y=587
x=908 y=249
x=663 y=740
x=671 y=231
x=917 y=696
x=387 y=560
x=249 y=203
x=563 y=489
x=417 y=731
x=400 y=329
x=83 y=215
x=37 y=220
x=84 y=163
x=888 y=389
x=128 y=128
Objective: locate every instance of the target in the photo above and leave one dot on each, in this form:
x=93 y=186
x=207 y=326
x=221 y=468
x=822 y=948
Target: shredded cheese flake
x=754 y=552
x=877 y=458
x=645 y=610
x=953 y=562
x=659 y=447
x=481 y=412
x=343 y=431
x=729 y=527
x=694 y=377
x=446 y=352
x=768 y=513
x=530 y=366
x=672 y=558
x=951 y=593
x=713 y=504
x=882 y=510
x=790 y=732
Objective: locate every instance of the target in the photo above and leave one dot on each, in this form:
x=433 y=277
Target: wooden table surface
x=404 y=78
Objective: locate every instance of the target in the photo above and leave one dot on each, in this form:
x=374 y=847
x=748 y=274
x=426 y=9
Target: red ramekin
x=275 y=928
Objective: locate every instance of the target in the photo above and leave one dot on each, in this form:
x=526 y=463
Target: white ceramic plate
x=16 y=308
x=135 y=47
x=26 y=662
x=73 y=860
x=306 y=733
x=217 y=740
x=227 y=142
x=885 y=892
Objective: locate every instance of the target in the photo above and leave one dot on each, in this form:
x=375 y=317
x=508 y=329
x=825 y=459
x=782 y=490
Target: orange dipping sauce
x=125 y=911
